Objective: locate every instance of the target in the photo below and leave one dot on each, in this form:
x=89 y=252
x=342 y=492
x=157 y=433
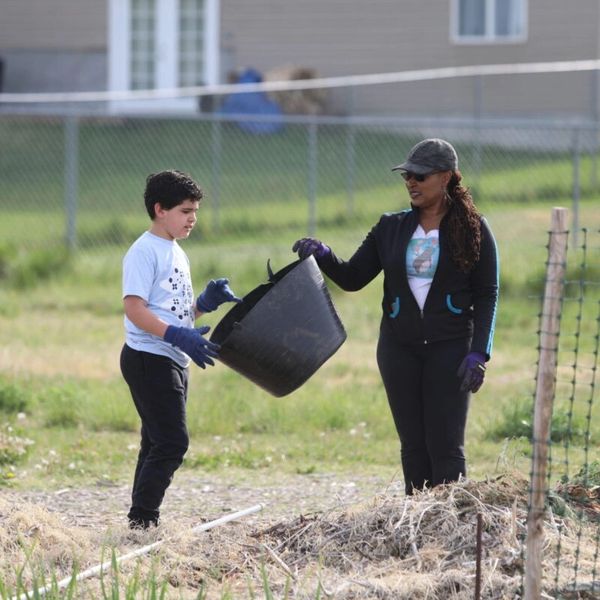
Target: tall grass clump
x=111 y=584
x=28 y=269
x=13 y=398
x=60 y=405
x=72 y=403
x=13 y=450
x=516 y=421
x=7 y=255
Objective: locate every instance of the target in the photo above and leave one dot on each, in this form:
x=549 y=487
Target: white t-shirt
x=422 y=256
x=158 y=271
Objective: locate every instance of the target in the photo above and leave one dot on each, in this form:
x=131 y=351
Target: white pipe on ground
x=140 y=552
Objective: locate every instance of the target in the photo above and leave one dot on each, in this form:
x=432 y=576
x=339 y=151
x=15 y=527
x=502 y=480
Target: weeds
x=14 y=398
x=516 y=421
x=113 y=585
x=33 y=268
x=13 y=450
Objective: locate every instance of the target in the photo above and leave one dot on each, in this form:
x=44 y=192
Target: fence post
x=594 y=117
x=576 y=182
x=71 y=178
x=350 y=153
x=217 y=149
x=313 y=164
x=477 y=144
x=544 y=397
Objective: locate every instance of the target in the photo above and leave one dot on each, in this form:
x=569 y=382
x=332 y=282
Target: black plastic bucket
x=282 y=331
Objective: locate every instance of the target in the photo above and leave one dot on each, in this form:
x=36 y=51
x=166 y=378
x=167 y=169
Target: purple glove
x=310 y=247
x=215 y=293
x=199 y=349
x=472 y=371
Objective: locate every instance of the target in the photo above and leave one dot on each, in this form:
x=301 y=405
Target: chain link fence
x=78 y=178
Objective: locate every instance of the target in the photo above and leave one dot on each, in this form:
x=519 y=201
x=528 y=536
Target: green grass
x=61 y=372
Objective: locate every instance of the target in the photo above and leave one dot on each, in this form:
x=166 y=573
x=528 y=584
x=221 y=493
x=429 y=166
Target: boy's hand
x=215 y=293
x=199 y=349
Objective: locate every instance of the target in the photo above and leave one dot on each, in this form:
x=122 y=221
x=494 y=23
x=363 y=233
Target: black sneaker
x=141 y=523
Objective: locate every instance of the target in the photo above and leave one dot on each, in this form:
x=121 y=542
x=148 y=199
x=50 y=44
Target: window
x=485 y=21
x=142 y=45
x=162 y=44
x=191 y=43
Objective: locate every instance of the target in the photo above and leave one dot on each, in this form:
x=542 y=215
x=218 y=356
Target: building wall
x=55 y=25
x=53 y=45
x=388 y=36
x=60 y=45
x=44 y=71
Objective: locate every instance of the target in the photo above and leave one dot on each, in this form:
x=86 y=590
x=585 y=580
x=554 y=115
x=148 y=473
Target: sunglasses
x=408 y=175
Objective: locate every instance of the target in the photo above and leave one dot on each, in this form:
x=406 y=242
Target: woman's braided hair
x=464 y=224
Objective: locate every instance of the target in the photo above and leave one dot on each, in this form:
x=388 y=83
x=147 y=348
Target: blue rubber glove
x=472 y=371
x=306 y=247
x=199 y=349
x=215 y=293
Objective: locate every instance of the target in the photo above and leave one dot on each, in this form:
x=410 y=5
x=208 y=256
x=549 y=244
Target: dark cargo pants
x=159 y=388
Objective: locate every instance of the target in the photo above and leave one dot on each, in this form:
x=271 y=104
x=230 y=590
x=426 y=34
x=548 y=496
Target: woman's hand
x=306 y=247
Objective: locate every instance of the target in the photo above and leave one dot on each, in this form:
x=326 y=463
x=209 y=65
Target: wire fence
x=78 y=179
x=565 y=501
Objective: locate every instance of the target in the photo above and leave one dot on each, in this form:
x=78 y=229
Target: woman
x=440 y=293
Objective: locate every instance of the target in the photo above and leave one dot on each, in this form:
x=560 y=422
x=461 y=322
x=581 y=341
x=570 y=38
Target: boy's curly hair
x=169 y=188
x=464 y=224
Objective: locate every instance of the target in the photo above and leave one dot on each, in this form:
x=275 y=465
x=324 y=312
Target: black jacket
x=458 y=304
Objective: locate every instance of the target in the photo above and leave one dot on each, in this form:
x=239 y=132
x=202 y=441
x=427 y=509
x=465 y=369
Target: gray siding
x=56 y=45
x=340 y=38
x=334 y=36
x=53 y=24
x=53 y=71
x=53 y=45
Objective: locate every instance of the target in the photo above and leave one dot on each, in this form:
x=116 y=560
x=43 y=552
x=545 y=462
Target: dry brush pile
x=393 y=546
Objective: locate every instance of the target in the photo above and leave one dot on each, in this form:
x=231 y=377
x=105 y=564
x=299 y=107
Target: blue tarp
x=253 y=103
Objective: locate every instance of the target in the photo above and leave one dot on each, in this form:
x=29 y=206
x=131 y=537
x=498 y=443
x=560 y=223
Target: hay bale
x=424 y=546
x=297 y=102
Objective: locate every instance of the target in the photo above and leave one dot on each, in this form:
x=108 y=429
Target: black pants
x=159 y=388
x=429 y=410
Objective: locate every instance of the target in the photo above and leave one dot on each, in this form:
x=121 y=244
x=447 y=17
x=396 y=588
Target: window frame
x=165 y=63
x=489 y=37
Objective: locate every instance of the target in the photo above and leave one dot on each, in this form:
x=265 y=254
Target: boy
x=160 y=336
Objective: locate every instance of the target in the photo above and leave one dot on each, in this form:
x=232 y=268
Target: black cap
x=429 y=156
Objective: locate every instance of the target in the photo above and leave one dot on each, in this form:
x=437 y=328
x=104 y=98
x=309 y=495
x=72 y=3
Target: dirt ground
x=83 y=517
x=338 y=535
x=195 y=498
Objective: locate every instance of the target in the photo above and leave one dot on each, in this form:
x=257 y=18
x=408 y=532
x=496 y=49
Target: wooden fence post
x=544 y=397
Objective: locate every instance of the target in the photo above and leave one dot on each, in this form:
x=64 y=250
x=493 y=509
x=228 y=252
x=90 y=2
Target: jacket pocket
x=451 y=307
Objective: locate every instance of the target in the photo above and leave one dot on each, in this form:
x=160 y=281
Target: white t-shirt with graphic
x=422 y=256
x=158 y=271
